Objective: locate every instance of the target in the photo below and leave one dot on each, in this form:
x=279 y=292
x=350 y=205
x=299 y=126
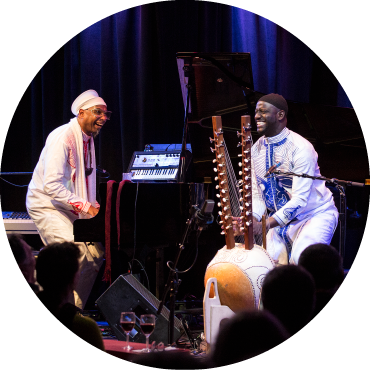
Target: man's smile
x=99 y=124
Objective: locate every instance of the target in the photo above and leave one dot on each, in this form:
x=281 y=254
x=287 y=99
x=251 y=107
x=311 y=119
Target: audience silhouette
x=245 y=335
x=324 y=263
x=288 y=292
x=291 y=296
x=57 y=269
x=24 y=258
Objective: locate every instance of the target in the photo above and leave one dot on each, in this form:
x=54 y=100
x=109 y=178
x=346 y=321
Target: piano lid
x=220 y=83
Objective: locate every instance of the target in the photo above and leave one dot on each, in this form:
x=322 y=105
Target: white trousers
x=54 y=229
x=294 y=238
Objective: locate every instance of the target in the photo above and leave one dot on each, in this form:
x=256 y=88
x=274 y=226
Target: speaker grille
x=151 y=299
x=128 y=294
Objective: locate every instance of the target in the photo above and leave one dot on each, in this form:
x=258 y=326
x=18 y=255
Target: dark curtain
x=129 y=58
x=282 y=63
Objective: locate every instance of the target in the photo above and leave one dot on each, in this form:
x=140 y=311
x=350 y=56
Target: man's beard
x=96 y=133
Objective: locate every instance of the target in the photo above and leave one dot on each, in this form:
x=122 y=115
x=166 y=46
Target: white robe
x=57 y=196
x=304 y=208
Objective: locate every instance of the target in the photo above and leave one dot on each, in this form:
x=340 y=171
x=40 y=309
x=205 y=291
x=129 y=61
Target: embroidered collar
x=278 y=138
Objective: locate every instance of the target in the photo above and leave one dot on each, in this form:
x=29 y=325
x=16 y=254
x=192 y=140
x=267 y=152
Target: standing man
x=63 y=185
x=301 y=210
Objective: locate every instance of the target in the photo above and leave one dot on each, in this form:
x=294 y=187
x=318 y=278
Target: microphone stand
x=173 y=281
x=340 y=185
x=203 y=217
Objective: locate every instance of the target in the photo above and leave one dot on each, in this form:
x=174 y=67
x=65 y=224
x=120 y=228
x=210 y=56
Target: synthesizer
x=18 y=222
x=154 y=166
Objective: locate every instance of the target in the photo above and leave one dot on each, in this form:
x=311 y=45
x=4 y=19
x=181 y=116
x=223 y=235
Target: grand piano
x=150 y=213
x=154 y=214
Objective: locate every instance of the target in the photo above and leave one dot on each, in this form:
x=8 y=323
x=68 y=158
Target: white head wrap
x=86 y=100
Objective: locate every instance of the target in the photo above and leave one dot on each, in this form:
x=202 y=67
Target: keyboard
x=18 y=222
x=154 y=175
x=154 y=166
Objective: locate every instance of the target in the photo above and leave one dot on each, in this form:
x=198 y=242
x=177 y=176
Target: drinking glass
x=147 y=324
x=127 y=322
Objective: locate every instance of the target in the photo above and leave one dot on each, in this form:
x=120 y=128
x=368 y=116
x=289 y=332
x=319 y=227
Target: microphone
x=204 y=216
x=272 y=169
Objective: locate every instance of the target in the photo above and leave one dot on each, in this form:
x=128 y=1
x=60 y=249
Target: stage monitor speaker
x=127 y=294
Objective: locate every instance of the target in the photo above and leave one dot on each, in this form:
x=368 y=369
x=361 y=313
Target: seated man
x=301 y=211
x=57 y=271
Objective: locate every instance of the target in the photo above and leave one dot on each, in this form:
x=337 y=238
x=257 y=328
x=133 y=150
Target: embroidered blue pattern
x=276 y=195
x=290 y=213
x=283 y=233
x=274 y=187
x=267 y=191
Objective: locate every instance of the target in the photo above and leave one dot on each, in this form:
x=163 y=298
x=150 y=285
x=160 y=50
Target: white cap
x=86 y=100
